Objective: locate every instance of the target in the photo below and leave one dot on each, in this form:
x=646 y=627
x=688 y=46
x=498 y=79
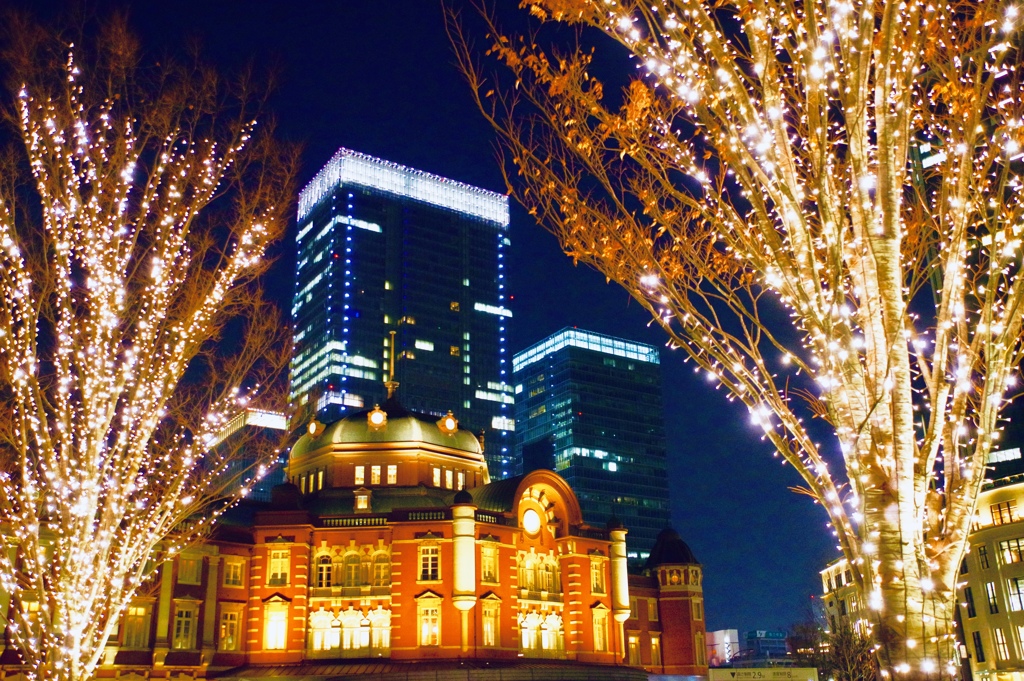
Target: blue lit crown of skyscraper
x=589 y=406
x=384 y=247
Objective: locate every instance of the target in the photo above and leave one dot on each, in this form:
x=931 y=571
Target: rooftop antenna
x=391 y=384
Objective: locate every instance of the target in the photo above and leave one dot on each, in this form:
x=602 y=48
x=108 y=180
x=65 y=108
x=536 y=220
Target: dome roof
x=341 y=501
x=402 y=426
x=462 y=497
x=670 y=549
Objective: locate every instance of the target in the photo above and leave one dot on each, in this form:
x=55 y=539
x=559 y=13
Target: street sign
x=764 y=674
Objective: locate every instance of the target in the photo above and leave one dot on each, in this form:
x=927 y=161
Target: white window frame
x=227 y=612
x=278 y=567
x=232 y=568
x=275 y=625
x=428 y=606
x=190 y=570
x=600 y=621
x=136 y=626
x=186 y=624
x=491 y=622
x=489 y=558
x=429 y=570
x=598 y=581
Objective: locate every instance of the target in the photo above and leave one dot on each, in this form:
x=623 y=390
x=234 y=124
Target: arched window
x=380 y=628
x=323 y=572
x=338 y=571
x=546 y=577
x=352 y=570
x=350 y=633
x=541 y=634
x=529 y=630
x=552 y=637
x=355 y=630
x=381 y=569
x=527 y=573
x=324 y=626
x=556 y=577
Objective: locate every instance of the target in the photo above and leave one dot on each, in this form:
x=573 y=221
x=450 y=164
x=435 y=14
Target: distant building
x=589 y=406
x=991 y=585
x=990 y=591
x=763 y=644
x=723 y=645
x=840 y=597
x=257 y=434
x=763 y=648
x=380 y=248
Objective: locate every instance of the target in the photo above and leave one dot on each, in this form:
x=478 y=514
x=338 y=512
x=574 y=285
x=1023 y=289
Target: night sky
x=377 y=76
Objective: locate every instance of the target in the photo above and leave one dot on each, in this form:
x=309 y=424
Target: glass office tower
x=589 y=406
x=383 y=248
x=252 y=437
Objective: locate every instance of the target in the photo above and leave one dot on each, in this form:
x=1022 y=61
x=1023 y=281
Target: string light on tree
x=110 y=296
x=859 y=165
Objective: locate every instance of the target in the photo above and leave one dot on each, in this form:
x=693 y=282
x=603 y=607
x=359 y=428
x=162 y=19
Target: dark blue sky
x=377 y=76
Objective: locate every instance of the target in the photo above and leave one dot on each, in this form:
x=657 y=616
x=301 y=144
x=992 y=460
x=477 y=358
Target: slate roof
x=341 y=501
x=498 y=496
x=670 y=549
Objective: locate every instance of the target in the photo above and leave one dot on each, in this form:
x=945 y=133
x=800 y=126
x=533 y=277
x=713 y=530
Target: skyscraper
x=589 y=407
x=380 y=248
x=253 y=436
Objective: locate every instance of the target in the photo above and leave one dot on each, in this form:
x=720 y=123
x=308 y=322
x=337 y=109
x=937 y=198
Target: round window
x=531 y=521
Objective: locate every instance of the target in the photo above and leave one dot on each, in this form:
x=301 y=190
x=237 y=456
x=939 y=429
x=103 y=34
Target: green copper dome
x=401 y=428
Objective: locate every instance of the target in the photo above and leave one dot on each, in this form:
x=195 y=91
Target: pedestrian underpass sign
x=764 y=674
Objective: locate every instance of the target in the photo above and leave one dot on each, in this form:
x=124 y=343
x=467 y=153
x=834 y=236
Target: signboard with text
x=764 y=674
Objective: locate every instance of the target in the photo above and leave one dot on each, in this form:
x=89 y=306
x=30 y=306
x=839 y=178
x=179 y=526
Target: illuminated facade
x=665 y=632
x=382 y=248
x=723 y=645
x=841 y=597
x=990 y=591
x=589 y=407
x=991 y=586
x=391 y=544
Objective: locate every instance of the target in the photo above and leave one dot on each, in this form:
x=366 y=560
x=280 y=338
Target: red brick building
x=665 y=631
x=391 y=543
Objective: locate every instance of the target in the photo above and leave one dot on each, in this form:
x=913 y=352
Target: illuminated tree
x=849 y=656
x=821 y=202
x=842 y=654
x=135 y=210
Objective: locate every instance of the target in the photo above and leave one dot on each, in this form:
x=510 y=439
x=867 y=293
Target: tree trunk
x=910 y=606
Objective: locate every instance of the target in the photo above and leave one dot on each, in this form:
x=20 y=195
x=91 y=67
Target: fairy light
x=92 y=348
x=807 y=190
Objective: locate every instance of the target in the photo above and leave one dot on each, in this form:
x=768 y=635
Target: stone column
x=163 y=614
x=620 y=583
x=210 y=610
x=464 y=559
